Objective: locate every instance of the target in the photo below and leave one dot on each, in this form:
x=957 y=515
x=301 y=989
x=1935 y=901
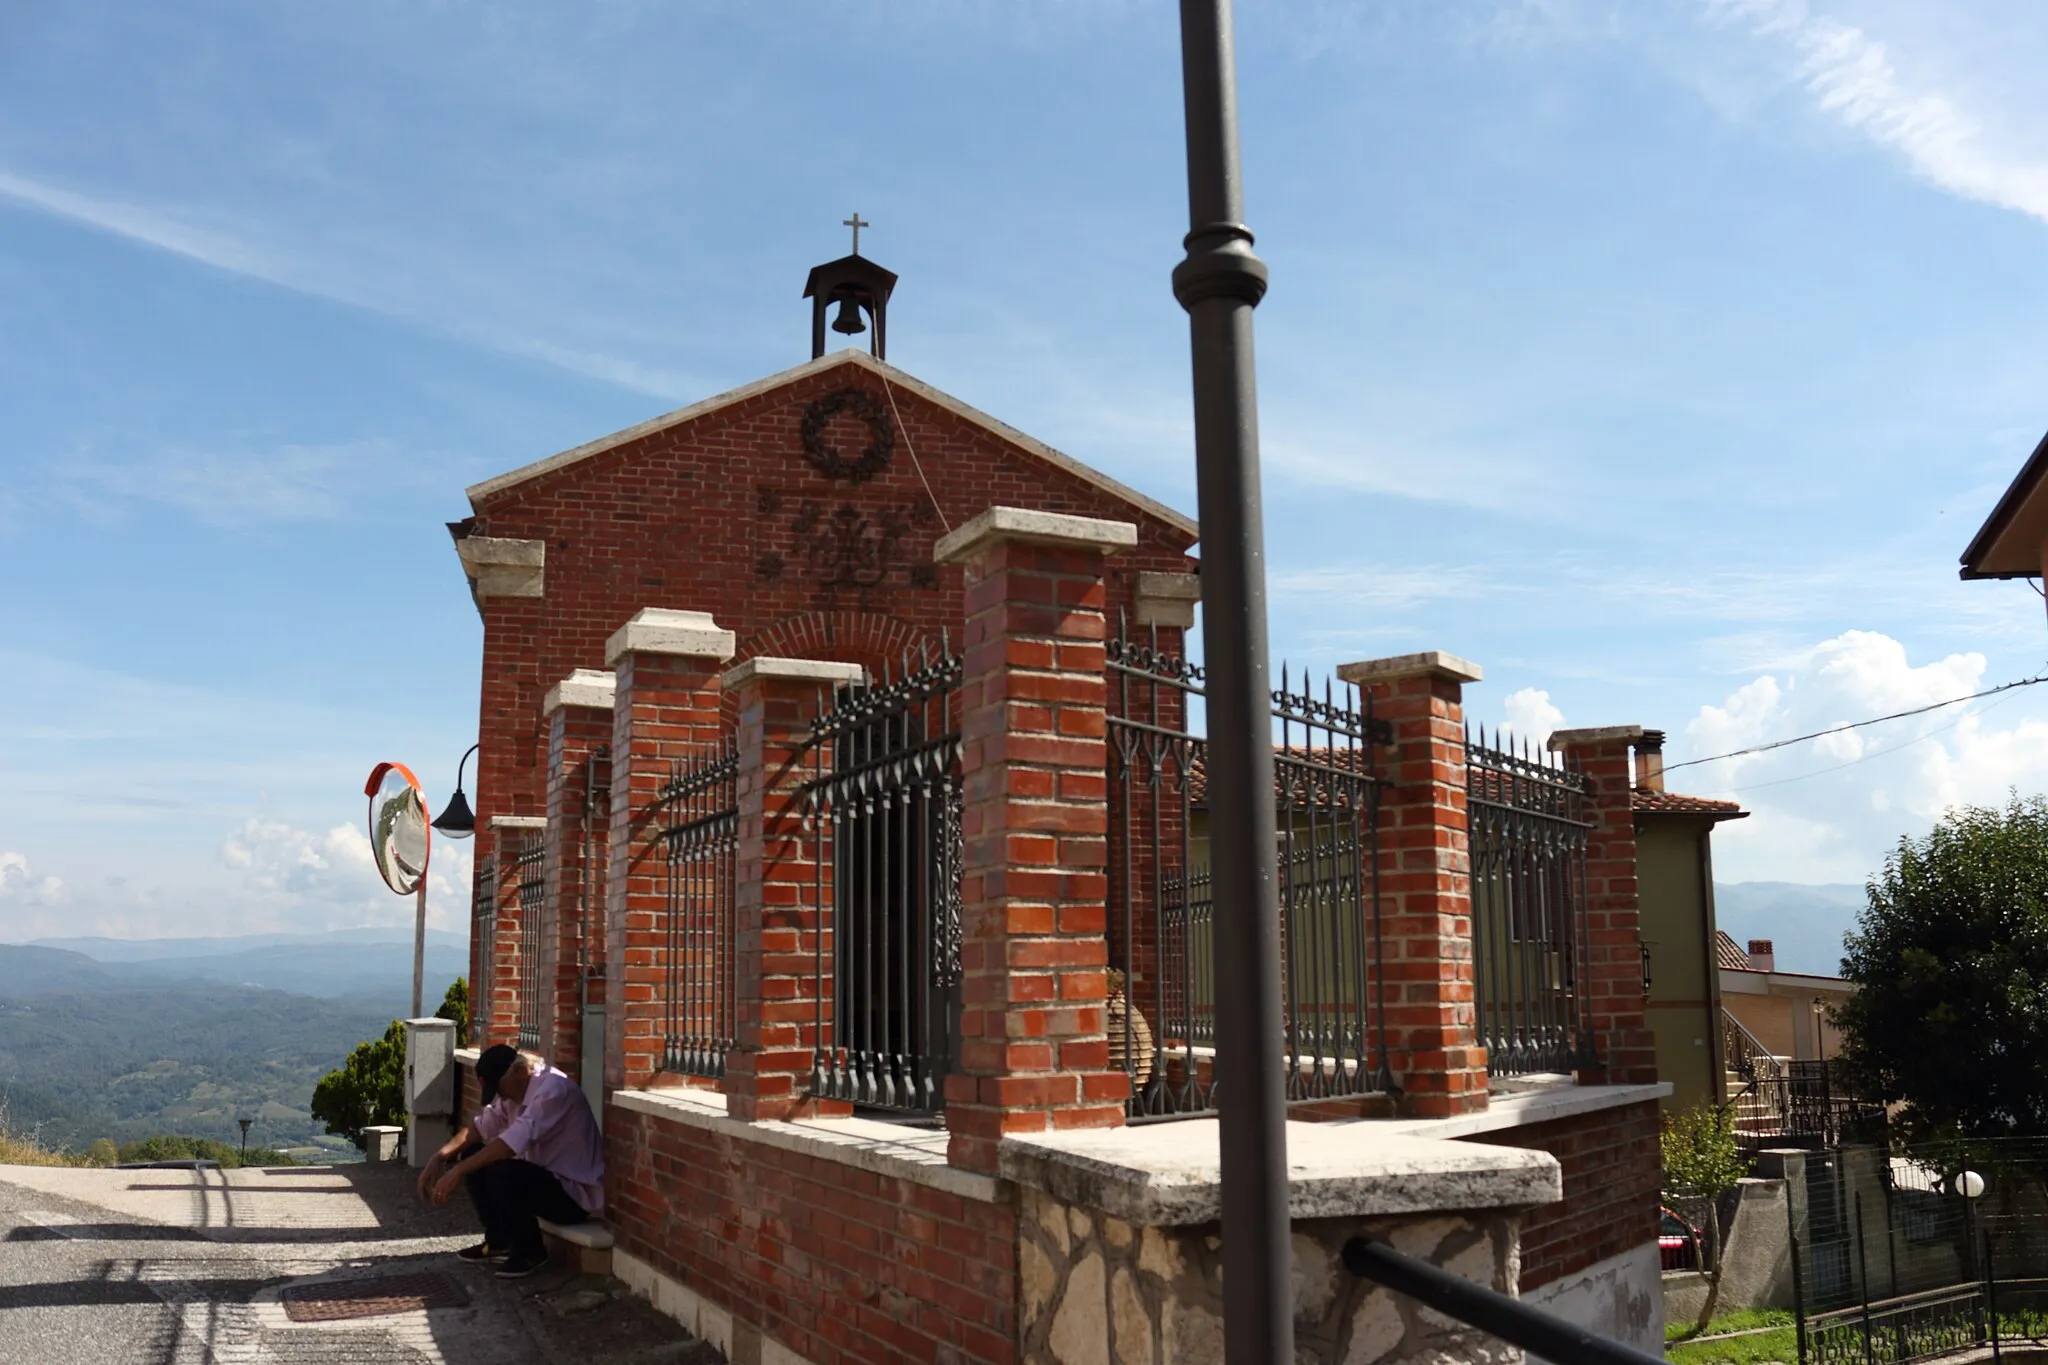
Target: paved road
x=152 y=1267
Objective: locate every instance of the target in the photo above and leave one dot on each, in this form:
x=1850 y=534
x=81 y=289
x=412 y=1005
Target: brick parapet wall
x=1625 y=1049
x=666 y=709
x=1612 y=1172
x=1426 y=885
x=1034 y=1053
x=840 y=1265
x=573 y=935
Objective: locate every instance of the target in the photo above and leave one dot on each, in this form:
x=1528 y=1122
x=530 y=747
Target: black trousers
x=509 y=1197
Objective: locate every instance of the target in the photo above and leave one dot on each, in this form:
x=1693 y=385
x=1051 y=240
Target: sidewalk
x=287 y=1265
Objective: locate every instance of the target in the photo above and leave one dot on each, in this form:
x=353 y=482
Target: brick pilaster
x=781 y=930
x=1033 y=1051
x=1624 y=1049
x=1426 y=881
x=578 y=712
x=665 y=707
x=509 y=834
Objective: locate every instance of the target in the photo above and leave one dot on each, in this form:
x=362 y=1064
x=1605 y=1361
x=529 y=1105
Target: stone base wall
x=1096 y=1290
x=815 y=1257
x=1612 y=1173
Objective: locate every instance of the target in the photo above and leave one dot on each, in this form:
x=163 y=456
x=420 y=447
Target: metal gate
x=533 y=888
x=885 y=802
x=700 y=837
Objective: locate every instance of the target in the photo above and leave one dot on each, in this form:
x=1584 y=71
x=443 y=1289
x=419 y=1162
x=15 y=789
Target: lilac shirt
x=553 y=1128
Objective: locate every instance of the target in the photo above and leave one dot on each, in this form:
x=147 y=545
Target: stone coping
x=1432 y=663
x=790 y=670
x=468 y=1056
x=1597 y=734
x=1550 y=1098
x=1169 y=1174
x=518 y=822
x=660 y=630
x=592 y=687
x=886 y=1149
x=1035 y=528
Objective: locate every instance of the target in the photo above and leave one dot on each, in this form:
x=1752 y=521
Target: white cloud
x=21 y=886
x=328 y=879
x=1385 y=588
x=1829 y=808
x=231 y=487
x=1941 y=133
x=1531 y=716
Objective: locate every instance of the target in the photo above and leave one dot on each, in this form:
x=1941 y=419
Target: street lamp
x=1820 y=1042
x=457 y=820
x=245 y=1138
x=1219 y=284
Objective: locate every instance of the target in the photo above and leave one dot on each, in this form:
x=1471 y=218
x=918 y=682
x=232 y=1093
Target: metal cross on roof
x=856 y=223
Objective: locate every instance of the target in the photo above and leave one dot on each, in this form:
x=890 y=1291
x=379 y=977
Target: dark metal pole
x=1219 y=283
x=1511 y=1320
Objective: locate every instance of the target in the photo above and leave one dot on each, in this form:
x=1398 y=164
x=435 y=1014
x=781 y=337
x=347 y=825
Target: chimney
x=1650 y=761
x=1761 y=957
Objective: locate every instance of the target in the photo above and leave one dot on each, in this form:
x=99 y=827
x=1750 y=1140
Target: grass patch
x=1778 y=1345
x=1741 y=1321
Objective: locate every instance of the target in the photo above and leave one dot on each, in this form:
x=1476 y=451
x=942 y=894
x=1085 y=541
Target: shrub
x=368 y=1090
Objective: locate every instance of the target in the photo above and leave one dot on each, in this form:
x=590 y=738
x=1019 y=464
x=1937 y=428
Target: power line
x=1859 y=724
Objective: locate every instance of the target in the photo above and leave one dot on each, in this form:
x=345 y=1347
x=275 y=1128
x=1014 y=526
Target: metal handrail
x=1745 y=1050
x=1475 y=1305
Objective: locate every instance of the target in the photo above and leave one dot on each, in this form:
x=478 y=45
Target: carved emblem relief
x=843 y=544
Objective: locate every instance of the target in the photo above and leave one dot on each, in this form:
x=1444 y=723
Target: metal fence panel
x=1528 y=821
x=1162 y=1003
x=483 y=933
x=700 y=838
x=885 y=803
x=533 y=885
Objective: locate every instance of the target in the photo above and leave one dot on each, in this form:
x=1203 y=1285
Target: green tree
x=368 y=1090
x=102 y=1153
x=1949 y=1018
x=1702 y=1163
x=455 y=1006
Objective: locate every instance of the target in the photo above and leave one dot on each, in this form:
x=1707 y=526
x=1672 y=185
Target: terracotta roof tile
x=1728 y=953
x=1671 y=803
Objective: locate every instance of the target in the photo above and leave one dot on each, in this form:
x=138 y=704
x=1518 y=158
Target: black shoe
x=520 y=1264
x=480 y=1254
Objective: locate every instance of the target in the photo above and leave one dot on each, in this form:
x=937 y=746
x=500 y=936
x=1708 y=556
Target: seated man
x=533 y=1151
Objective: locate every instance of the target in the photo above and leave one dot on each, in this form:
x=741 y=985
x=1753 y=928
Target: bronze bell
x=848 y=320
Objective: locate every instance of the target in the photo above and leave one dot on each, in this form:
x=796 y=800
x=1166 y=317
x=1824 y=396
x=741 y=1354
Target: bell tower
x=855 y=283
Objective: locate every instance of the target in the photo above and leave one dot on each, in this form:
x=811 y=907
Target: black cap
x=491 y=1067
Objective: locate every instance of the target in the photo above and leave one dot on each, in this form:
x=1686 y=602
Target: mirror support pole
x=419 y=945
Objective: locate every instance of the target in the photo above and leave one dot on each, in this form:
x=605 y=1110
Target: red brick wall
x=725 y=514
x=1611 y=1177
x=838 y=1264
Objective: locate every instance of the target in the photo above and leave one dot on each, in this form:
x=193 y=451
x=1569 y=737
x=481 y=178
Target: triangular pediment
x=899 y=381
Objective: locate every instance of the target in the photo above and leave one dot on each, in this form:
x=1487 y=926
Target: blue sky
x=1659 y=357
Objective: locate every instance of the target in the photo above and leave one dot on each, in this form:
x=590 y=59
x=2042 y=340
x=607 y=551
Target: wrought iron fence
x=1528 y=822
x=1797 y=1104
x=483 y=933
x=1891 y=1263
x=885 y=800
x=532 y=869
x=1162 y=1003
x=700 y=838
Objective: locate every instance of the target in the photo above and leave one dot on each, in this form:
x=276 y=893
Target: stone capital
x=1167 y=599
x=518 y=822
x=589 y=687
x=1021 y=524
x=1432 y=663
x=657 y=630
x=1560 y=740
x=504 y=568
x=825 y=672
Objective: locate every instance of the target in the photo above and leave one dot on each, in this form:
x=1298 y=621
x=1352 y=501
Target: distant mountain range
x=365 y=965
x=130 y=1038
x=1805 y=923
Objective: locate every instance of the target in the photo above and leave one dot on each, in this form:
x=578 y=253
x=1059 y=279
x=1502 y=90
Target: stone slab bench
x=585 y=1246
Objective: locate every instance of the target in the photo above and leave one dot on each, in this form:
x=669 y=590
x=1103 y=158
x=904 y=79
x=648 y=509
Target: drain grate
x=339 y=1300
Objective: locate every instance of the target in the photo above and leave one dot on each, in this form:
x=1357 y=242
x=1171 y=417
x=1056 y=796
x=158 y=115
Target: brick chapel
x=677 y=615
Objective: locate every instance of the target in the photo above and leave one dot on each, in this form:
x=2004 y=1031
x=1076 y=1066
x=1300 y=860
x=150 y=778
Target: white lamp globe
x=1969 y=1184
